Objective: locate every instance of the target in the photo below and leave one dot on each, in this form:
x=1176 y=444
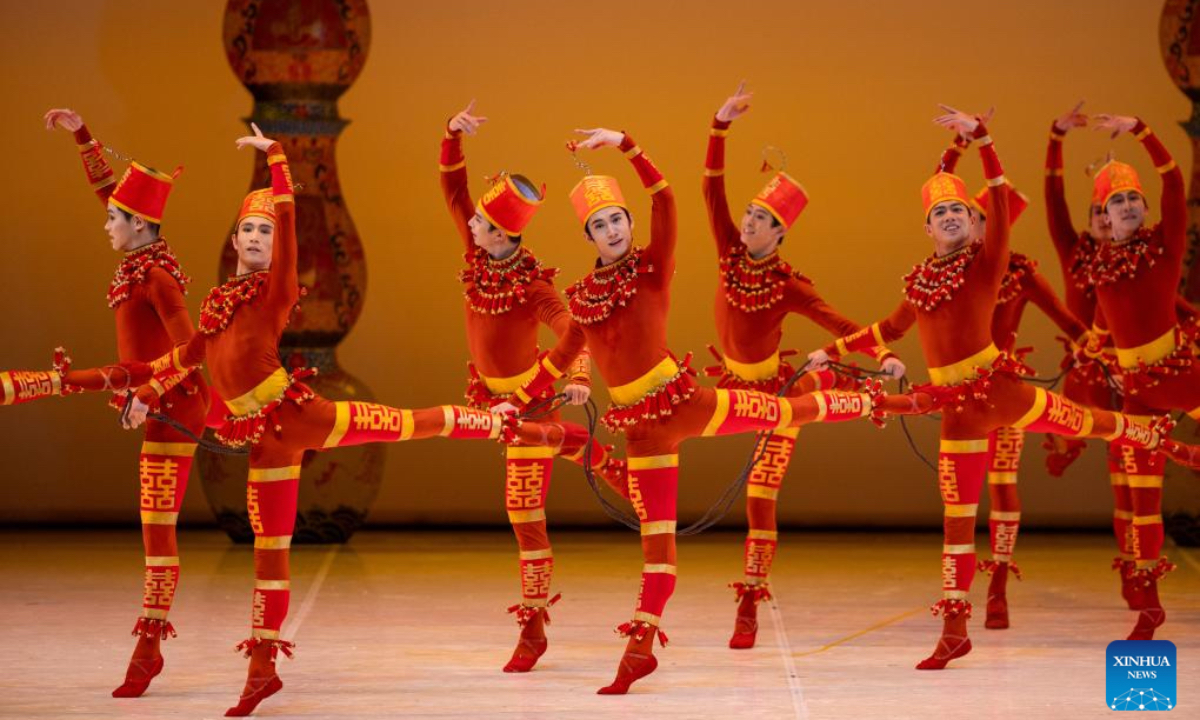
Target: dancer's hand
x=577 y=394
x=467 y=121
x=257 y=140
x=1116 y=124
x=68 y=120
x=136 y=415
x=1090 y=346
x=596 y=138
x=818 y=360
x=737 y=105
x=957 y=120
x=893 y=367
x=505 y=408
x=1072 y=118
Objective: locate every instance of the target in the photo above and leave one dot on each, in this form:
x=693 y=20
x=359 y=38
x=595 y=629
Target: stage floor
x=413 y=624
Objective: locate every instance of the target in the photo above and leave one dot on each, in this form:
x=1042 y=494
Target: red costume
x=952 y=300
x=241 y=322
x=755 y=296
x=1021 y=284
x=620 y=311
x=1087 y=382
x=1135 y=281
x=146 y=295
x=506 y=300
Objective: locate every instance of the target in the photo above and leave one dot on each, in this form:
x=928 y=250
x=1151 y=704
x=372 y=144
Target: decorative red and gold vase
x=297 y=57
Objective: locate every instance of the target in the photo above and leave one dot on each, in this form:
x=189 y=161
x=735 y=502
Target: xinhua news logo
x=1141 y=675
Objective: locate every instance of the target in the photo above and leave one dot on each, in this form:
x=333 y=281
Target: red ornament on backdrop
x=297 y=57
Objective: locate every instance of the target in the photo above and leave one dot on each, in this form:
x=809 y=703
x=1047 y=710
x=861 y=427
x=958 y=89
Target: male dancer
x=508 y=294
x=1086 y=381
x=279 y=416
x=1021 y=284
x=146 y=296
x=620 y=311
x=1136 y=276
x=952 y=299
x=758 y=291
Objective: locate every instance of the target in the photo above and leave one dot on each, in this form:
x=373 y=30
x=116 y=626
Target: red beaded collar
x=1020 y=269
x=1122 y=261
x=136 y=265
x=752 y=285
x=493 y=287
x=216 y=312
x=934 y=281
x=594 y=298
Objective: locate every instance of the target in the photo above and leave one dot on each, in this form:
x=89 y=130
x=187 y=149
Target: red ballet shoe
x=1149 y=619
x=147 y=661
x=138 y=677
x=262 y=681
x=255 y=692
x=634 y=667
x=1150 y=610
x=532 y=643
x=638 y=661
x=745 y=626
x=954 y=642
x=997 y=600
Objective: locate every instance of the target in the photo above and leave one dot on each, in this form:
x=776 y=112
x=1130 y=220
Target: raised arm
x=663 y=223
x=95 y=167
x=952 y=154
x=995 y=240
x=453 y=166
x=724 y=229
x=1174 y=200
x=661 y=250
x=283 y=287
x=1058 y=213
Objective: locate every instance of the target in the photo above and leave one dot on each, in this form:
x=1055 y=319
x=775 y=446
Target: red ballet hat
x=143 y=191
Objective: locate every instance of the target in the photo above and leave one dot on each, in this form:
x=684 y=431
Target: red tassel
x=151 y=627
x=951 y=608
x=247 y=647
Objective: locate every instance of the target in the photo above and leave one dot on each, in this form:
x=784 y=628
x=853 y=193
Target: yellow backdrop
x=848 y=89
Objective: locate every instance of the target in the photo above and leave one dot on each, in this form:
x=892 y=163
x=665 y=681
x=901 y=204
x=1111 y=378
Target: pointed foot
x=138 y=677
x=949 y=648
x=634 y=667
x=255 y=692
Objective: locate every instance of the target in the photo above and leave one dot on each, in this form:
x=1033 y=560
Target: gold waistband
x=963 y=369
x=753 y=372
x=508 y=385
x=631 y=392
x=1150 y=353
x=270 y=389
